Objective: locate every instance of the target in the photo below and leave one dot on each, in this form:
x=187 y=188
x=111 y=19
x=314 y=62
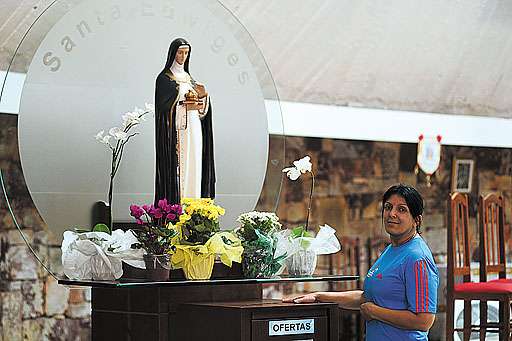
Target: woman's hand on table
x=307 y=298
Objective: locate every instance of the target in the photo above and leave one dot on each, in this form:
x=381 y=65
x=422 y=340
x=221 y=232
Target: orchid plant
x=157 y=229
x=118 y=137
x=300 y=167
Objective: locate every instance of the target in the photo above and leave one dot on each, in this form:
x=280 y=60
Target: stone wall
x=351 y=176
x=33 y=306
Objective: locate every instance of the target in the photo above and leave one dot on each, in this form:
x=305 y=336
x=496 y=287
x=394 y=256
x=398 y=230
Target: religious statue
x=183 y=131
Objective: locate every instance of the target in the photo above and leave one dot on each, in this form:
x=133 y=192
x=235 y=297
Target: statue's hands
x=200 y=89
x=195 y=106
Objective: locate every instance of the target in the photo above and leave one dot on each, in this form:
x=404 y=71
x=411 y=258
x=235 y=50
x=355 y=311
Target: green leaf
x=297 y=232
x=101 y=228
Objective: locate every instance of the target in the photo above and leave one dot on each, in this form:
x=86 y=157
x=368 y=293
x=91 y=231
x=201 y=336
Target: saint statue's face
x=182 y=55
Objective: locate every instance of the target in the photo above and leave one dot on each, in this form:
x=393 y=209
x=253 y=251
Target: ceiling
x=430 y=56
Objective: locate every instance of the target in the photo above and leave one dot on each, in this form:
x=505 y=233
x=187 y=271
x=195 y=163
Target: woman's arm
x=346 y=299
x=404 y=319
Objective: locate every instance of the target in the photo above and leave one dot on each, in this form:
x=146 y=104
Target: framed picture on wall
x=462 y=175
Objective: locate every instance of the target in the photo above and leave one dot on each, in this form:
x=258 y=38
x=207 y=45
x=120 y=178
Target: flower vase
x=257 y=263
x=302 y=263
x=157 y=267
x=200 y=268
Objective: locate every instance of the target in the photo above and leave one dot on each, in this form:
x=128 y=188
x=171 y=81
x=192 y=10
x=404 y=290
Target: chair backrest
x=347 y=262
x=491 y=218
x=458 y=239
x=374 y=248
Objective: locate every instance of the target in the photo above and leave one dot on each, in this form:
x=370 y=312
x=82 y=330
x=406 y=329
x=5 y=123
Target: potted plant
x=115 y=140
x=300 y=244
x=98 y=254
x=155 y=235
x=257 y=233
x=199 y=239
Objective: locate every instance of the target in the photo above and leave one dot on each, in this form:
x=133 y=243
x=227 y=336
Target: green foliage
x=155 y=240
x=101 y=228
x=264 y=222
x=199 y=229
x=300 y=231
x=303 y=234
x=258 y=257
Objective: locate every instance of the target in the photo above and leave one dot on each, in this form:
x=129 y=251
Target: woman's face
x=182 y=55
x=398 y=220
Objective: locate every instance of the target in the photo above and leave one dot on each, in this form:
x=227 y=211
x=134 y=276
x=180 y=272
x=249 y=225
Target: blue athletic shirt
x=404 y=277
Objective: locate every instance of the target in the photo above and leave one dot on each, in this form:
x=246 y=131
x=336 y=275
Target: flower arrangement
x=199 y=239
x=293 y=173
x=263 y=222
x=199 y=221
x=157 y=232
x=300 y=244
x=98 y=255
x=121 y=136
x=257 y=233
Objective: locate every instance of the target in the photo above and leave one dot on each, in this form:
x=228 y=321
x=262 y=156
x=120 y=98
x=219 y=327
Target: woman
x=399 y=299
x=183 y=131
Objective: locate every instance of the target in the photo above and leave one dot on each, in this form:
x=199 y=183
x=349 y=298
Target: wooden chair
x=374 y=248
x=459 y=266
x=348 y=262
x=491 y=220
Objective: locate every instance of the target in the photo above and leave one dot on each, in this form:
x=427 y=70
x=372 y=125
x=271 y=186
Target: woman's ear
x=418 y=220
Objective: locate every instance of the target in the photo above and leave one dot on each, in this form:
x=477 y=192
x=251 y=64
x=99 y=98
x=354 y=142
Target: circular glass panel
x=96 y=60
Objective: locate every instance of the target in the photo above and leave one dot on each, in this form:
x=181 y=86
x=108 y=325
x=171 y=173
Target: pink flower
x=136 y=211
x=162 y=204
x=155 y=213
x=177 y=209
x=171 y=216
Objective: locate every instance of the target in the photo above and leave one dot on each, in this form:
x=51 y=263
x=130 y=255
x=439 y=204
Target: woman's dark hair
x=412 y=198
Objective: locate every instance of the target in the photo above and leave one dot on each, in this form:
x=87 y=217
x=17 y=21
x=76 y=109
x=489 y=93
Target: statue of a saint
x=183 y=131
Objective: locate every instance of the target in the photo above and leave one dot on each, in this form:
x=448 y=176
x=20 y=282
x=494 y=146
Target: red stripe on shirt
x=426 y=287
x=416 y=274
x=422 y=286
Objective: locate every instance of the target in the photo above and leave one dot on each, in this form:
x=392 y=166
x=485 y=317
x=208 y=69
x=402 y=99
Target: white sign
x=291 y=327
x=429 y=153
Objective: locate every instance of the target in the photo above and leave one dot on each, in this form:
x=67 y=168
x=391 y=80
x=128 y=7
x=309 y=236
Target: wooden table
x=144 y=310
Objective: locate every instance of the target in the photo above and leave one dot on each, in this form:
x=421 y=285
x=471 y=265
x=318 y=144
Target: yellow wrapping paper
x=197 y=260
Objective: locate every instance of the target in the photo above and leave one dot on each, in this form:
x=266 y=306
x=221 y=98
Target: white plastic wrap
x=98 y=255
x=324 y=243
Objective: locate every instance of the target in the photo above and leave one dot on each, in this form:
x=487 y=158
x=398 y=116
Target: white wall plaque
x=291 y=327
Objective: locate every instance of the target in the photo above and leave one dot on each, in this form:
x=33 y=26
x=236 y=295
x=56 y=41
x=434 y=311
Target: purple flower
x=155 y=213
x=146 y=208
x=164 y=206
x=177 y=209
x=136 y=211
x=140 y=222
x=171 y=216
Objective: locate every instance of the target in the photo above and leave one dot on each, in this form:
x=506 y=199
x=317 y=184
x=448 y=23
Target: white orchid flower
x=106 y=140
x=303 y=165
x=118 y=134
x=292 y=172
x=99 y=136
x=299 y=167
x=131 y=118
x=149 y=107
